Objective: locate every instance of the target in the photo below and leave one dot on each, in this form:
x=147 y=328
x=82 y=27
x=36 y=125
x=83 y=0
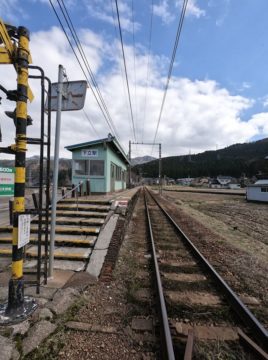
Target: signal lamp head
x=12 y=115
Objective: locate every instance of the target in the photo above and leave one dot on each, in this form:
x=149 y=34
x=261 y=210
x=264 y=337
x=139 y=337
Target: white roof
x=261 y=182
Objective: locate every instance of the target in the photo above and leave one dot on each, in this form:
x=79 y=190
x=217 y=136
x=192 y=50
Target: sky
x=218 y=91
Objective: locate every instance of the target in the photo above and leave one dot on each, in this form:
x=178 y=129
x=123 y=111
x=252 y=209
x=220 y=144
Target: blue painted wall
x=100 y=184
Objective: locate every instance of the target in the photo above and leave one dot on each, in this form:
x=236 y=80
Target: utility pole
x=129 y=167
x=160 y=171
x=55 y=171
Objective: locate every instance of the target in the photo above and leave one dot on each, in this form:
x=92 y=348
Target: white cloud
x=260 y=123
x=192 y=8
x=165 y=10
x=198 y=113
x=223 y=13
x=11 y=11
x=106 y=12
x=265 y=101
x=244 y=86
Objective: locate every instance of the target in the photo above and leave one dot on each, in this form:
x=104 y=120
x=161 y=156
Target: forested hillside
x=233 y=160
x=32 y=170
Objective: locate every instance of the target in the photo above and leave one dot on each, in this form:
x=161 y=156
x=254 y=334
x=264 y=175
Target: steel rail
x=168 y=352
x=258 y=330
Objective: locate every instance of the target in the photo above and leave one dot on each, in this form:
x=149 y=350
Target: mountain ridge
x=234 y=160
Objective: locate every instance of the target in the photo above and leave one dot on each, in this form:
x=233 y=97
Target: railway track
x=198 y=311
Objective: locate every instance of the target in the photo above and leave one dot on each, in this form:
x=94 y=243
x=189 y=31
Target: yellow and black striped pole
x=16 y=303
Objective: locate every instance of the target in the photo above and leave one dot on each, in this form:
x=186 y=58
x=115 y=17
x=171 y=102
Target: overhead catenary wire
x=121 y=67
x=79 y=62
x=91 y=123
x=125 y=66
x=183 y=11
x=84 y=57
x=134 y=58
x=148 y=67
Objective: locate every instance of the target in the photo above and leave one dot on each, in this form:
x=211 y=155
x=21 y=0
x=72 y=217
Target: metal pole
x=160 y=171
x=73 y=191
x=11 y=211
x=18 y=306
x=129 y=168
x=34 y=196
x=88 y=187
x=55 y=172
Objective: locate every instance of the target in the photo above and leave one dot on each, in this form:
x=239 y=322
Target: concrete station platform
x=84 y=227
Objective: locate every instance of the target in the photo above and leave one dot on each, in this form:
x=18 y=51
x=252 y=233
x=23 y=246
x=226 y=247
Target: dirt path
x=111 y=308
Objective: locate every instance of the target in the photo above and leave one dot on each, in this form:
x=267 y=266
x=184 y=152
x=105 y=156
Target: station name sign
x=7 y=177
x=89 y=153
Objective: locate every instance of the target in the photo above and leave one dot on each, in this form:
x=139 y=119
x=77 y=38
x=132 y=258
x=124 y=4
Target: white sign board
x=89 y=153
x=24 y=230
x=73 y=96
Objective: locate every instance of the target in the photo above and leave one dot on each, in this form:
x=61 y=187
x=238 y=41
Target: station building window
x=81 y=167
x=97 y=167
x=89 y=167
x=118 y=173
x=264 y=189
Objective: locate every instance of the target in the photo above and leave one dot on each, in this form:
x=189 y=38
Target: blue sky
x=218 y=92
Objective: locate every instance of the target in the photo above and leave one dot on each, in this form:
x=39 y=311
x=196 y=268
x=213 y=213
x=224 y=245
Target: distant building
x=215 y=184
x=204 y=181
x=234 y=186
x=184 y=181
x=224 y=180
x=258 y=191
x=101 y=161
x=221 y=182
x=200 y=182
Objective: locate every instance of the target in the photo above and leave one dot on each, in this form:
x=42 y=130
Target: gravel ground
x=112 y=304
x=233 y=253
x=220 y=228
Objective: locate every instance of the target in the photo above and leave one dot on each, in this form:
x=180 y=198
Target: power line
x=148 y=62
x=134 y=57
x=121 y=67
x=85 y=60
x=171 y=63
x=91 y=123
x=79 y=62
x=124 y=59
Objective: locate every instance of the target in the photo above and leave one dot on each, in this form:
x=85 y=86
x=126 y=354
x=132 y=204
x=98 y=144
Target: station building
x=103 y=162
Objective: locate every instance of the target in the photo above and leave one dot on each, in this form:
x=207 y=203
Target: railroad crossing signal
x=9 y=50
x=18 y=307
